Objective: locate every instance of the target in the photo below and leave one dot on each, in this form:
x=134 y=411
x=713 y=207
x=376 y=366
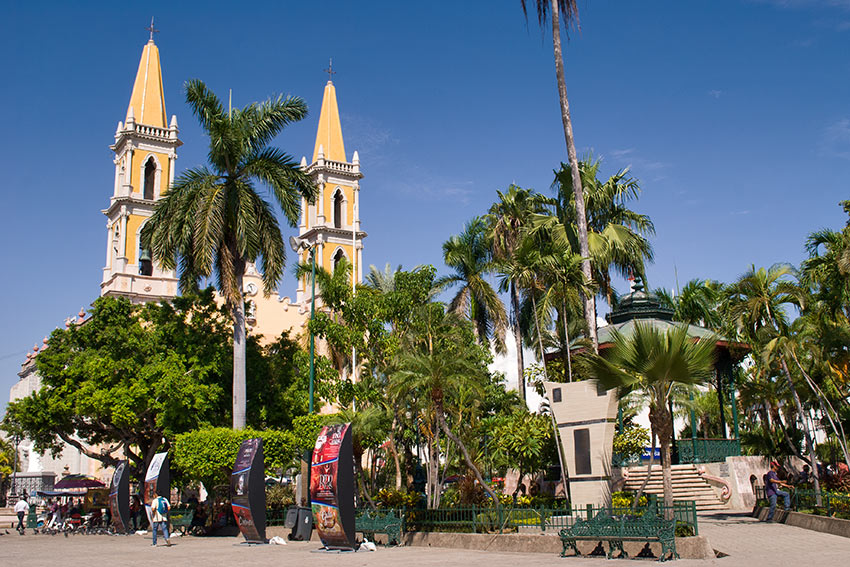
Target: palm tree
x=570 y=12
x=696 y=304
x=213 y=220
x=616 y=234
x=507 y=219
x=442 y=373
x=469 y=255
x=654 y=361
x=756 y=304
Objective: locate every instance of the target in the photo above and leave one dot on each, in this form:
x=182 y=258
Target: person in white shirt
x=22 y=508
x=159 y=518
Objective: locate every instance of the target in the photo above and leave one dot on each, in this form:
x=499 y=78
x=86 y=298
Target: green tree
x=697 y=303
x=521 y=441
x=654 y=361
x=469 y=255
x=213 y=220
x=569 y=9
x=757 y=303
x=128 y=379
x=507 y=220
x=617 y=235
x=437 y=365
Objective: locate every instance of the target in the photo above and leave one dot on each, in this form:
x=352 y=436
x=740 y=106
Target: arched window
x=337 y=257
x=338 y=209
x=150 y=179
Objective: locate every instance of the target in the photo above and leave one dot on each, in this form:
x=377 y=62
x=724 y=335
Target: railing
x=832 y=503
x=707 y=450
x=275 y=517
x=489 y=519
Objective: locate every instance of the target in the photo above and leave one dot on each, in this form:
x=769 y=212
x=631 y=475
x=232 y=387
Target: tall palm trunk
x=581 y=214
x=441 y=417
x=518 y=338
x=648 y=471
x=660 y=419
x=239 y=388
x=567 y=350
x=394 y=451
x=824 y=402
x=539 y=334
x=810 y=448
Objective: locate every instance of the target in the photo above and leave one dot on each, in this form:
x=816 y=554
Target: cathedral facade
x=145 y=153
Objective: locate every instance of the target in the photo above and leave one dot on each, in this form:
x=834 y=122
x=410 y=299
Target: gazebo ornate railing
x=707 y=450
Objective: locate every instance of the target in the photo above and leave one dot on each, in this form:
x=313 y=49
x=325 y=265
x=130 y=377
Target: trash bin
x=300 y=520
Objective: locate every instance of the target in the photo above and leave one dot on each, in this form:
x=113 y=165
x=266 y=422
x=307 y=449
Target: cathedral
x=145 y=153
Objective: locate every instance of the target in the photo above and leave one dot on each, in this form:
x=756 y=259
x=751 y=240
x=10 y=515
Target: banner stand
x=332 y=488
x=248 y=492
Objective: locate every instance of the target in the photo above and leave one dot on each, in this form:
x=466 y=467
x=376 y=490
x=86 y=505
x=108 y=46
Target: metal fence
x=506 y=519
x=707 y=450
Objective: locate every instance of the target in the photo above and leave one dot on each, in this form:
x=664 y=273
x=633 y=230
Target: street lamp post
x=298 y=245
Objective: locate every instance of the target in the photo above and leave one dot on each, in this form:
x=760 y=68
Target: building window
x=556 y=395
x=337 y=257
x=338 y=209
x=150 y=179
x=581 y=439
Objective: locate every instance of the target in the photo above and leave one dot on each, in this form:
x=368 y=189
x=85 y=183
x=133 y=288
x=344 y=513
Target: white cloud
x=715 y=93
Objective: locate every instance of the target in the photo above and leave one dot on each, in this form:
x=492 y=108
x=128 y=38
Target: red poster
x=324 y=488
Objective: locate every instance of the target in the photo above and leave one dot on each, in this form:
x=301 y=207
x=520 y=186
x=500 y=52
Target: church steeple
x=145 y=152
x=147 y=102
x=332 y=223
x=329 y=133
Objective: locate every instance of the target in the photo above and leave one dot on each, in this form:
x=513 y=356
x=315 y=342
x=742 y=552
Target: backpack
x=162 y=506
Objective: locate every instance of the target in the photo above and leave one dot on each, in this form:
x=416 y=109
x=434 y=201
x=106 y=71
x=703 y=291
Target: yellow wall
x=137 y=175
x=133 y=224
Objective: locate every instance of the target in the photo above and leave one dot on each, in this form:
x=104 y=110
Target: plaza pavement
x=746 y=541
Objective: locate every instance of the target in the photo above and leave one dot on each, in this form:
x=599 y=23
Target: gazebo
x=646 y=308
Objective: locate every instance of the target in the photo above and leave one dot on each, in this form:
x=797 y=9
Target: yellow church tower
x=145 y=152
x=332 y=223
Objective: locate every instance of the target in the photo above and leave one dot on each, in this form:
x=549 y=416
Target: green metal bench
x=181 y=519
x=648 y=527
x=371 y=522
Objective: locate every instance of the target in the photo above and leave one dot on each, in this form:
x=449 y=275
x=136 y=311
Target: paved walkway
x=747 y=542
x=750 y=542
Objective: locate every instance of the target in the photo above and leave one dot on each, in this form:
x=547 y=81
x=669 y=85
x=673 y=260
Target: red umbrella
x=78 y=481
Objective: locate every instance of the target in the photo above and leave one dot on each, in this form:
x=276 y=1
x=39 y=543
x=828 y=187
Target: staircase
x=687 y=485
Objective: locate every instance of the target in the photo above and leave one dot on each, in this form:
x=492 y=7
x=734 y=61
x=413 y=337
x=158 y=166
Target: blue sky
x=734 y=116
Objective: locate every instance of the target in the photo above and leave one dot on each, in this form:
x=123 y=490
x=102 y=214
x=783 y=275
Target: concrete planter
x=687 y=547
x=823 y=524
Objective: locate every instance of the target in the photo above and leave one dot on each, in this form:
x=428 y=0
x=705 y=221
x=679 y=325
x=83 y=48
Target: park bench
x=371 y=522
x=648 y=527
x=181 y=519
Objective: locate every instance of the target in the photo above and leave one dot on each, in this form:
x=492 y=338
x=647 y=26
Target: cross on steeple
x=152 y=29
x=330 y=70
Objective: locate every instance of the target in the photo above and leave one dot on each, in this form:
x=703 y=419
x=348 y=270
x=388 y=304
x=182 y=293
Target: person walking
x=159 y=518
x=135 y=511
x=22 y=508
x=771 y=482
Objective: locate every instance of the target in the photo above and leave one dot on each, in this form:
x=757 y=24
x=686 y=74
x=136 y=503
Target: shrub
x=280 y=496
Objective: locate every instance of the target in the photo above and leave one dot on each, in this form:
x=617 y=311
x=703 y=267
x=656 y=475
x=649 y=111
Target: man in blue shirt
x=771 y=490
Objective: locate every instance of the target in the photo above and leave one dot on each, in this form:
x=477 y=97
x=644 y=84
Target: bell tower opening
x=338 y=209
x=338 y=257
x=150 y=179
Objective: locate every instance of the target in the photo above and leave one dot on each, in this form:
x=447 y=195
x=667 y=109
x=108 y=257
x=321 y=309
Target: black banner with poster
x=119 y=497
x=248 y=491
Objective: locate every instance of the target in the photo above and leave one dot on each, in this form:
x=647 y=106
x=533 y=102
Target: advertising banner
x=332 y=486
x=248 y=491
x=157 y=479
x=119 y=497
